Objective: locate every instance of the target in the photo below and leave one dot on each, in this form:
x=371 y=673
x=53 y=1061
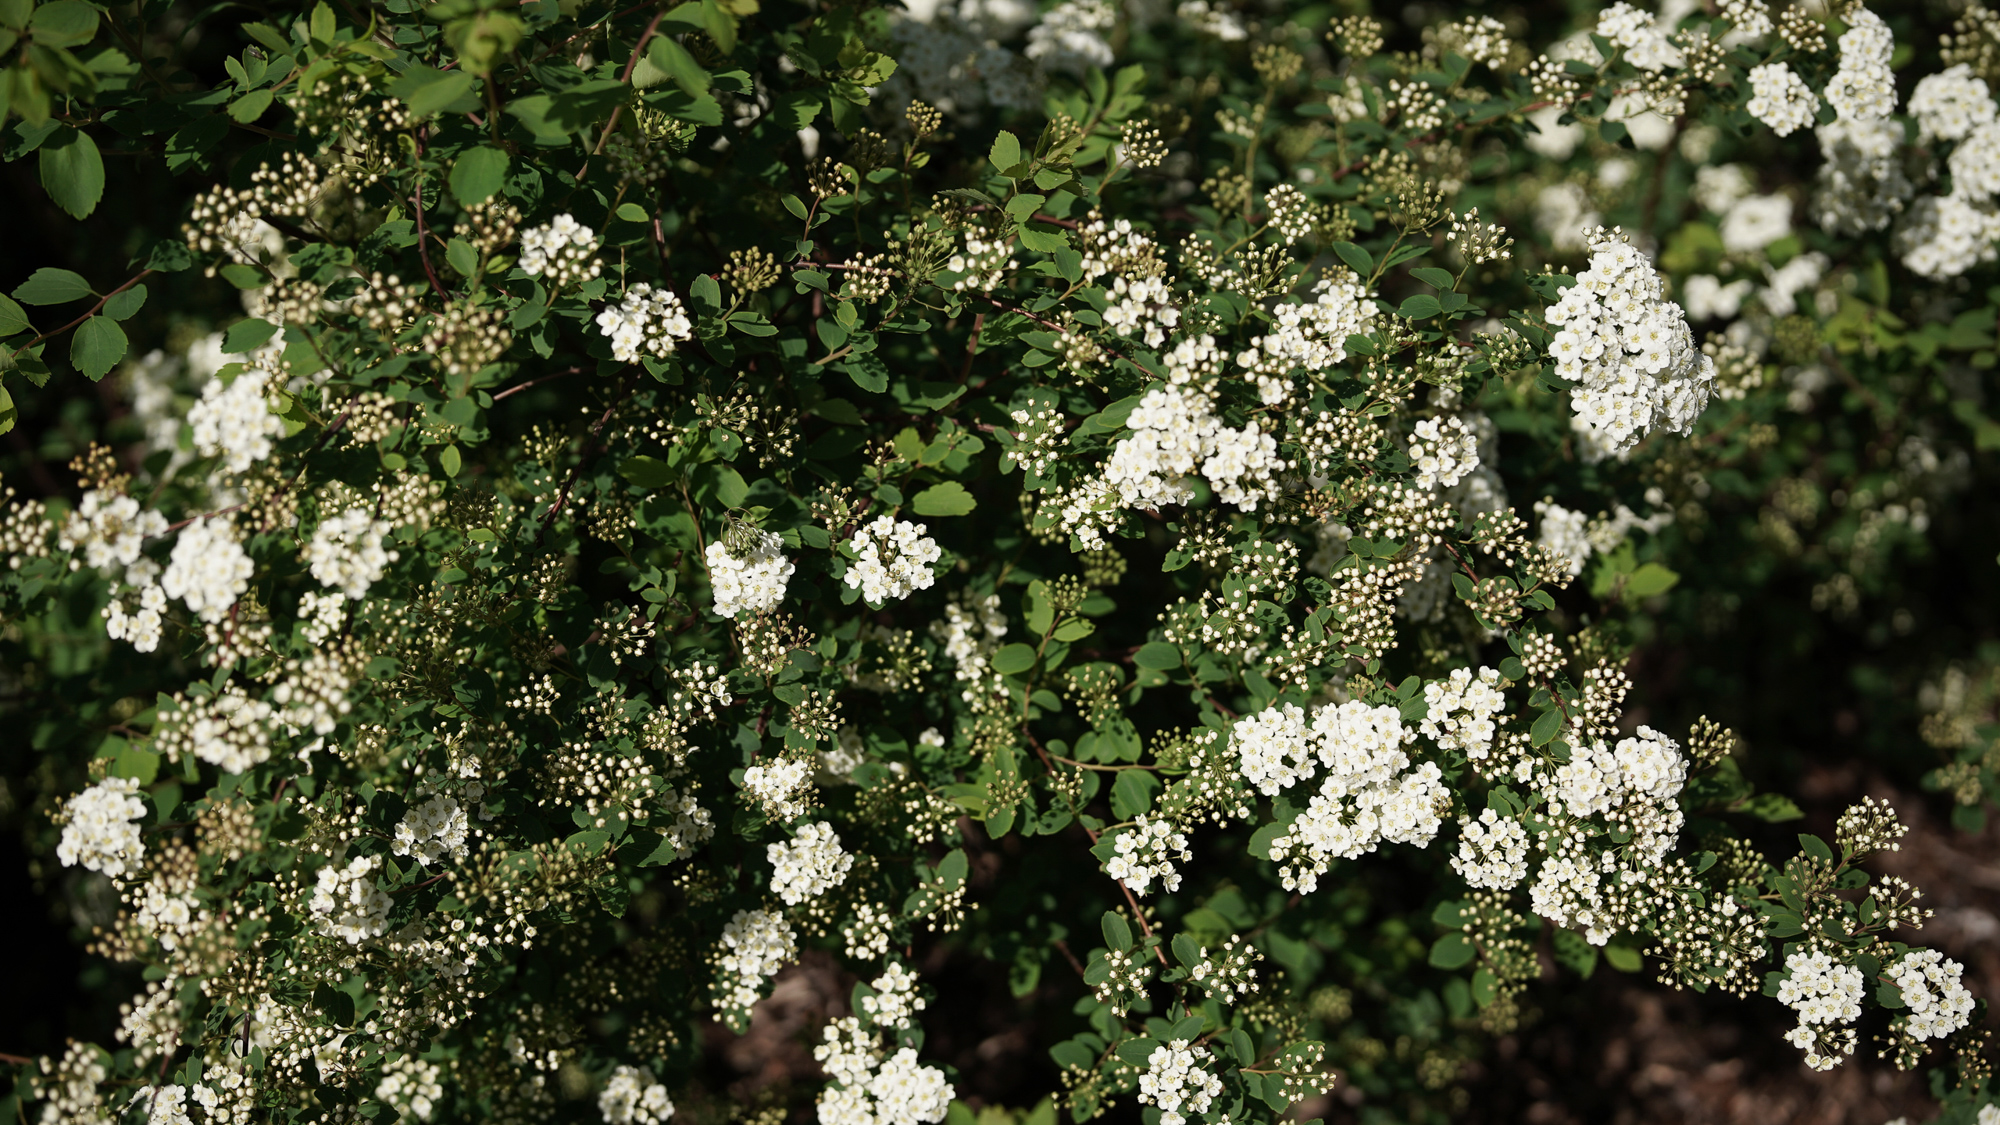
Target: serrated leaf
x=477 y=174
x=674 y=61
x=72 y=171
x=97 y=346
x=13 y=318
x=1006 y=151
x=947 y=499
x=250 y=106
x=1815 y=847
x=122 y=306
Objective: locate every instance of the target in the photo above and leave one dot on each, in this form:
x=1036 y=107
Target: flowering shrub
x=693 y=488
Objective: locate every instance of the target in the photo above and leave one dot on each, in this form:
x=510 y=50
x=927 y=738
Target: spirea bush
x=1147 y=502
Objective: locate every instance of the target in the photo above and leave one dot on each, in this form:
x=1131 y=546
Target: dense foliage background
x=1824 y=586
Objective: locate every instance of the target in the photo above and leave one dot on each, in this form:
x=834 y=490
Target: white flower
x=563 y=250
x=208 y=569
x=234 y=420
x=1459 y=711
x=1493 y=852
x=101 y=829
x=1756 y=222
x=1443 y=450
x=809 y=866
x=756 y=944
x=1709 y=299
x=433 y=831
x=648 y=322
x=412 y=1086
x=346 y=552
x=1861 y=185
x=1821 y=989
x=895 y=1003
x=1781 y=99
x=1950 y=104
x=1147 y=851
x=753 y=582
x=347 y=902
x=1938 y=1002
x=1071 y=36
x=109 y=530
x=631 y=1097
x=1177 y=1078
x=1803 y=272
x=1863 y=89
x=893 y=559
x=1941 y=237
x=780 y=787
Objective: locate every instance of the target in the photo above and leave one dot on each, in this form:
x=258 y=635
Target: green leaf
x=1420 y=307
x=250 y=106
x=1006 y=151
x=1133 y=792
x=13 y=318
x=477 y=174
x=97 y=346
x=1545 y=728
x=247 y=335
x=1186 y=951
x=1771 y=807
x=460 y=254
x=8 y=413
x=632 y=213
x=1158 y=656
x=646 y=472
x=673 y=60
x=1815 y=847
x=72 y=170
x=1651 y=579
x=1451 y=951
x=1117 y=931
x=122 y=306
x=1432 y=276
x=1356 y=258
x=947 y=499
x=1624 y=958
x=64 y=23
x=427 y=90
x=450 y=461
x=1013 y=659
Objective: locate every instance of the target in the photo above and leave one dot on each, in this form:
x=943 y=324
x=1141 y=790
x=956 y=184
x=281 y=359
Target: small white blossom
x=809 y=866
x=648 y=322
x=101 y=828
x=208 y=569
x=631 y=1097
x=346 y=552
x=893 y=559
x=348 y=903
x=753 y=582
x=1781 y=99
x=109 y=530
x=234 y=420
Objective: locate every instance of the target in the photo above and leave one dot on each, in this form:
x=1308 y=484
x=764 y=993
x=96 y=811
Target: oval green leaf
x=97 y=346
x=72 y=170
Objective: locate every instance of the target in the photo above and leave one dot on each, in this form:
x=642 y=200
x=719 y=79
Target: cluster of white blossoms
x=1147 y=851
x=1460 y=709
x=1637 y=779
x=872 y=1090
x=563 y=250
x=1366 y=798
x=895 y=1002
x=1142 y=309
x=1861 y=186
x=1070 y=36
x=1754 y=222
x=631 y=1097
x=1177 y=1077
x=1938 y=1003
x=411 y=1085
x=752 y=581
x=1564 y=534
x=433 y=831
x=780 y=788
x=984 y=262
x=1826 y=994
x=808 y=867
x=1642 y=36
x=1311 y=334
x=1443 y=450
x=1492 y=852
x=101 y=828
x=145 y=625
x=234 y=421
x=756 y=944
x=208 y=568
x=1943 y=236
x=1950 y=104
x=348 y=903
x=1173 y=433
x=1863 y=89
x=346 y=552
x=648 y=322
x=108 y=529
x=893 y=560
x=1781 y=99
x=1628 y=347
x=970 y=631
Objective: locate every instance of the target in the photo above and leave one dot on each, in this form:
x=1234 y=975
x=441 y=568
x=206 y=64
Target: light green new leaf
x=97 y=346
x=72 y=171
x=1006 y=151
x=947 y=499
x=1651 y=579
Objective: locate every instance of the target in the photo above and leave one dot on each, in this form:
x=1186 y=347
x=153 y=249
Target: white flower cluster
x=1071 y=36
x=1460 y=709
x=109 y=530
x=1564 y=534
x=348 y=903
x=563 y=250
x=1781 y=99
x=410 y=1085
x=433 y=831
x=1313 y=334
x=895 y=1002
x=1643 y=37
x=812 y=864
x=1177 y=1077
x=753 y=582
x=970 y=630
x=1943 y=236
x=1628 y=347
x=756 y=944
x=346 y=552
x=872 y=1090
x=143 y=627
x=683 y=822
x=1863 y=89
x=1754 y=222
x=234 y=420
x=101 y=828
x=1821 y=990
x=1174 y=433
x=893 y=560
x=1443 y=450
x=1146 y=851
x=228 y=730
x=208 y=569
x=1938 y=1003
x=1141 y=308
x=1861 y=185
x=984 y=262
x=648 y=322
x=631 y=1097
x=1600 y=778
x=1365 y=798
x=780 y=788
x=169 y=1105
x=1493 y=852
